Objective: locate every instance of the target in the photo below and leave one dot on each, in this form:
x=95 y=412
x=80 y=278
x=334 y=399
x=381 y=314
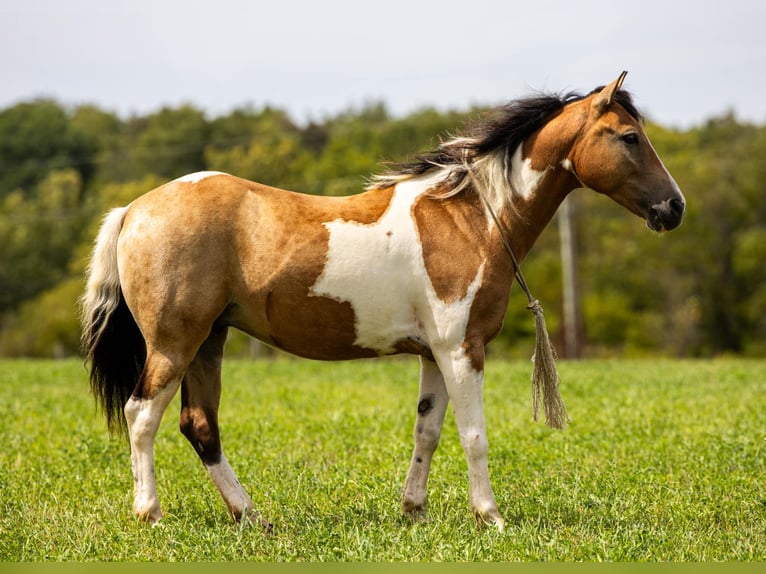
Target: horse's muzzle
x=666 y=215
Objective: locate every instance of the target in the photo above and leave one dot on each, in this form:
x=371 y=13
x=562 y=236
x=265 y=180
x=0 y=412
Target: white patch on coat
x=567 y=164
x=524 y=179
x=379 y=269
x=198 y=176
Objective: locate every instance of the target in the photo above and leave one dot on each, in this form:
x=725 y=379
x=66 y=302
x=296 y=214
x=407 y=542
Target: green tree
x=36 y=138
x=45 y=326
x=108 y=135
x=38 y=234
x=697 y=291
x=172 y=143
x=727 y=183
x=262 y=146
x=749 y=256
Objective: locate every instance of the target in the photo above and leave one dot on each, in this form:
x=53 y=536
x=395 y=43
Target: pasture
x=664 y=461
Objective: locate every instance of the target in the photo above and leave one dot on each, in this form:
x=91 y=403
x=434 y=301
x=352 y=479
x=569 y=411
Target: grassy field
x=664 y=460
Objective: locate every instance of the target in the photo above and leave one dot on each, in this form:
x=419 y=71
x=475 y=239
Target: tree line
x=698 y=291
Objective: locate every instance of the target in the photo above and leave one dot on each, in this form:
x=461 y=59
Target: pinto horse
x=415 y=264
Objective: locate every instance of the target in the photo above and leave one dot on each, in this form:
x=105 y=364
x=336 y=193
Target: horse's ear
x=603 y=99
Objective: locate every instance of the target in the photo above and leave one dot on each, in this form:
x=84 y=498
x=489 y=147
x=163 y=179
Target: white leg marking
x=465 y=388
x=144 y=416
x=235 y=497
x=432 y=404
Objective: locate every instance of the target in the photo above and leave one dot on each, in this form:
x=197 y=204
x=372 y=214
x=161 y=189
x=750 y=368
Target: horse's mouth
x=655 y=224
x=665 y=216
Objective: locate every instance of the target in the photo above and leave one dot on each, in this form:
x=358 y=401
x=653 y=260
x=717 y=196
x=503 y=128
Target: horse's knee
x=131 y=411
x=201 y=430
x=427 y=436
x=475 y=444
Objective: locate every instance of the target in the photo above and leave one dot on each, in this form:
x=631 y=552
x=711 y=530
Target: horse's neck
x=542 y=177
x=534 y=208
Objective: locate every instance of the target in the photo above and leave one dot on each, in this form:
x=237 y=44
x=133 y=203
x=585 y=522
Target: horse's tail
x=111 y=340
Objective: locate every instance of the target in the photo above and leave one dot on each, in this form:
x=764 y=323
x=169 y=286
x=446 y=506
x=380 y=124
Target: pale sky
x=688 y=60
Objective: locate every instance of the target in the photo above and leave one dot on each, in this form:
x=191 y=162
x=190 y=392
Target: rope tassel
x=545 y=377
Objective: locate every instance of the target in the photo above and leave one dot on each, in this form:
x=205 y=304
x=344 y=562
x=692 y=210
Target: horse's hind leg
x=432 y=404
x=158 y=383
x=200 y=397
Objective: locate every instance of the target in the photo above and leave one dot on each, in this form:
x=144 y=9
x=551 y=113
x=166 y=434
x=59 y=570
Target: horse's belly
x=329 y=328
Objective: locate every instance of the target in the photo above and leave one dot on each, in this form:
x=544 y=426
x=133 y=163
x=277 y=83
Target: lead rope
x=545 y=377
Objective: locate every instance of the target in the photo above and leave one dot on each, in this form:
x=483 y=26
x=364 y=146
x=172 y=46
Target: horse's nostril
x=676 y=206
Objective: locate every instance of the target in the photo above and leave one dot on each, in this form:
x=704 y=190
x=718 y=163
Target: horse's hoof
x=253 y=518
x=418 y=516
x=153 y=516
x=153 y=519
x=499 y=523
x=268 y=527
x=416 y=512
x=491 y=518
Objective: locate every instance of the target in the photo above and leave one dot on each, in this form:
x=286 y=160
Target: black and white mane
x=483 y=155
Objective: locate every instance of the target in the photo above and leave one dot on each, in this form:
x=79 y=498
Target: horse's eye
x=630 y=138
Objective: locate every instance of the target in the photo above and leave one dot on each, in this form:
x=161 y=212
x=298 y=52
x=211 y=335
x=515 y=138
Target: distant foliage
x=698 y=291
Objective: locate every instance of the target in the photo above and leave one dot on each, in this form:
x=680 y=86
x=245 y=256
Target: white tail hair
x=102 y=293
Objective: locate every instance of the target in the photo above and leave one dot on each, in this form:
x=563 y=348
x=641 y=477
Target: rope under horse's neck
x=545 y=377
x=507 y=244
x=569 y=166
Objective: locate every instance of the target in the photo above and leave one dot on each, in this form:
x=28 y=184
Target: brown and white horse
x=413 y=265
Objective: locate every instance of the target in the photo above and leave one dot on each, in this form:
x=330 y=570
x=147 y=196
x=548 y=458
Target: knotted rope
x=545 y=377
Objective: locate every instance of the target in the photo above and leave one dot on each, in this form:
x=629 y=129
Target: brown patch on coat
x=448 y=228
x=199 y=426
x=485 y=319
x=552 y=143
x=457 y=238
x=283 y=253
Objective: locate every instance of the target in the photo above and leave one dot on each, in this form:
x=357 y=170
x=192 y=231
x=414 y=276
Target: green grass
x=664 y=461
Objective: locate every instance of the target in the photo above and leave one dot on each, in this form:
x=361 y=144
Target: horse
x=414 y=264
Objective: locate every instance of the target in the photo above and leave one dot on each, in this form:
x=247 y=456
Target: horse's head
x=613 y=156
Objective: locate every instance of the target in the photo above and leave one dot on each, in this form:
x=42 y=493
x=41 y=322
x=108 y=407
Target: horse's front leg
x=463 y=373
x=432 y=404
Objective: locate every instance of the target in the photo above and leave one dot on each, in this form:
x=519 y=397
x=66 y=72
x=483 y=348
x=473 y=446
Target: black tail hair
x=116 y=359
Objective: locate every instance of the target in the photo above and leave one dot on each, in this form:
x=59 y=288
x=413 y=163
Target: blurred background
x=100 y=102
